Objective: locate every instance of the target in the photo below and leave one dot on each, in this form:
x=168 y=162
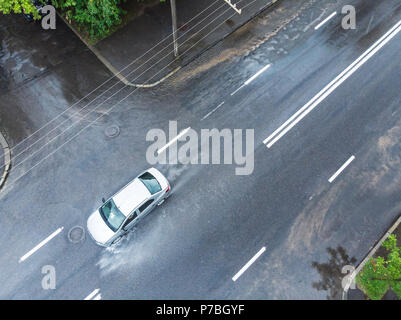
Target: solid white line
x=326 y=91
x=341 y=169
x=173 y=140
x=98 y=297
x=257 y=74
x=27 y=255
x=212 y=111
x=249 y=263
x=92 y=294
x=325 y=20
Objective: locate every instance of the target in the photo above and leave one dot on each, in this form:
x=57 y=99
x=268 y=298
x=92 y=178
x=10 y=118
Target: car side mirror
x=103 y=200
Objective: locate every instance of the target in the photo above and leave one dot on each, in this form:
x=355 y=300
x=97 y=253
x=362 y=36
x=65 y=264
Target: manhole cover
x=76 y=234
x=112 y=131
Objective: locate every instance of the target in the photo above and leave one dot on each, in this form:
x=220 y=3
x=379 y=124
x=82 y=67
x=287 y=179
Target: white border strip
x=40 y=245
x=325 y=20
x=249 y=263
x=334 y=176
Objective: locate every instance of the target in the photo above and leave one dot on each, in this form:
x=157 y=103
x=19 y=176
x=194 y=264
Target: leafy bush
x=96 y=16
x=17 y=6
x=379 y=273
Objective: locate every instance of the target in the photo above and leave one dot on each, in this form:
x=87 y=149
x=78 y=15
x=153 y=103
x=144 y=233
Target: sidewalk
x=143 y=49
x=378 y=250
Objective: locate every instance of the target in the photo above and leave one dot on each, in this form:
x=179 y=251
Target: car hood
x=98 y=229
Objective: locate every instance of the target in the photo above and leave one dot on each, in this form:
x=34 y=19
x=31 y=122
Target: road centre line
x=92 y=294
x=173 y=140
x=326 y=91
x=212 y=111
x=41 y=244
x=334 y=176
x=325 y=20
x=248 y=264
x=257 y=74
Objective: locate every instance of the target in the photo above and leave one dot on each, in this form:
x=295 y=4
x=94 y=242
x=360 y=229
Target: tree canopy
x=17 y=6
x=380 y=274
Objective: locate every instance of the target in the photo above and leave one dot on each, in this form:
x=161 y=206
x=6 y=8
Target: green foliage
x=95 y=16
x=379 y=273
x=18 y=6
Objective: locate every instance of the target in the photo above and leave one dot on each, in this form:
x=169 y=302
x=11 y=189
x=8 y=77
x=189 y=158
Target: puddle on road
x=331 y=272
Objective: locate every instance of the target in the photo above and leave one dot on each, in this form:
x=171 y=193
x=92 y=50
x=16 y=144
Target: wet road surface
x=215 y=221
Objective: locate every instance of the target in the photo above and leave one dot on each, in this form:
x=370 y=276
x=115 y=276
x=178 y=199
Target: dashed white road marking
x=325 y=20
x=237 y=90
x=173 y=140
x=248 y=264
x=98 y=297
x=334 y=176
x=212 y=111
x=94 y=294
x=40 y=245
x=257 y=74
x=334 y=84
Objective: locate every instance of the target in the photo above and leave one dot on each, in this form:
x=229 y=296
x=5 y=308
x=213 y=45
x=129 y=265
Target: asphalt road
x=216 y=221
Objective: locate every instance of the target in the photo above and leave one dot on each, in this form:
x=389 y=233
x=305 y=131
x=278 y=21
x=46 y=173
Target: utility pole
x=174 y=19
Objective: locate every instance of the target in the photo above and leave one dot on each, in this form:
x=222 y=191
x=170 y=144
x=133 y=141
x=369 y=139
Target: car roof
x=131 y=196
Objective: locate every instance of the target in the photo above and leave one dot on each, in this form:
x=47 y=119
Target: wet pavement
x=215 y=221
x=143 y=49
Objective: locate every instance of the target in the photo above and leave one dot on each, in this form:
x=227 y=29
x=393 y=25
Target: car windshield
x=150 y=182
x=111 y=215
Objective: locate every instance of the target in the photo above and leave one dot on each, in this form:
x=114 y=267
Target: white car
x=126 y=208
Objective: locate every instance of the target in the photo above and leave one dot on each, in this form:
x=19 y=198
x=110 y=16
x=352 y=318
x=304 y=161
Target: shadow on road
x=330 y=272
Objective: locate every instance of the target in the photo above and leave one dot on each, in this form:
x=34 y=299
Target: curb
x=111 y=68
x=7 y=159
x=124 y=80
x=368 y=256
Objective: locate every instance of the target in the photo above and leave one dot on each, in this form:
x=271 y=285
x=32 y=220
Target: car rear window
x=150 y=182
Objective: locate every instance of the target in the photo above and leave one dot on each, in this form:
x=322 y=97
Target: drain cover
x=76 y=234
x=112 y=131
